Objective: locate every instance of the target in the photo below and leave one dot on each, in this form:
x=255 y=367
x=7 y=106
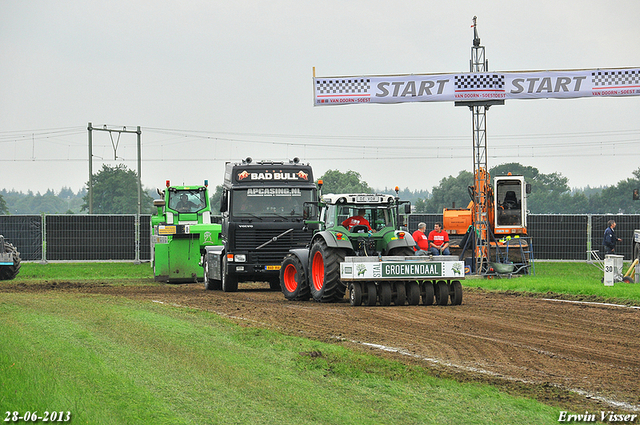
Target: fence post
x=44 y=238
x=589 y=227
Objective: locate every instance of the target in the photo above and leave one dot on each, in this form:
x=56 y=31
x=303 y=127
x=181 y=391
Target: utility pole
x=115 y=144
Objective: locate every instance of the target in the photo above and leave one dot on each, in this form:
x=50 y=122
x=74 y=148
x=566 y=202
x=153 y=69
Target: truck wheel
x=324 y=267
x=210 y=284
x=371 y=297
x=413 y=293
x=401 y=294
x=9 y=272
x=293 y=280
x=384 y=293
x=355 y=294
x=427 y=295
x=456 y=292
x=229 y=283
x=442 y=292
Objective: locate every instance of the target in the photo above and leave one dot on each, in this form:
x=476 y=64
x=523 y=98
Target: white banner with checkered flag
x=477 y=86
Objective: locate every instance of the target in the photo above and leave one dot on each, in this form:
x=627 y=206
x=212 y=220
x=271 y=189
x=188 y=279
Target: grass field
x=111 y=360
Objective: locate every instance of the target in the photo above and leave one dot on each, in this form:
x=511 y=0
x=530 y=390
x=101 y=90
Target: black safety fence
x=75 y=237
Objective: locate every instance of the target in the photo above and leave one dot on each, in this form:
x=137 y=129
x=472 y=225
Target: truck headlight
x=241 y=258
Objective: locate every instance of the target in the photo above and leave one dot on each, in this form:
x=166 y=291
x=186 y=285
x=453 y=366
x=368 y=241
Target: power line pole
x=138 y=131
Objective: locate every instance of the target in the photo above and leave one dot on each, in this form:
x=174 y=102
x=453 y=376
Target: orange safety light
x=339 y=236
x=401 y=235
x=168 y=183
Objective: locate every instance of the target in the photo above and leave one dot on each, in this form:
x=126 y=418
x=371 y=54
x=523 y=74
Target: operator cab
x=510 y=204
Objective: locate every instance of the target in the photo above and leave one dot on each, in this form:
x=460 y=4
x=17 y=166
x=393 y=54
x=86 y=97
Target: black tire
x=355 y=294
x=427 y=293
x=400 y=295
x=229 y=283
x=210 y=284
x=413 y=293
x=371 y=296
x=442 y=293
x=293 y=279
x=384 y=293
x=324 y=268
x=627 y=279
x=404 y=251
x=456 y=292
x=10 y=272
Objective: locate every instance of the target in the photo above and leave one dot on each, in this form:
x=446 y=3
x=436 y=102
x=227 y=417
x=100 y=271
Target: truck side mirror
x=407 y=208
x=224 y=200
x=309 y=211
x=527 y=188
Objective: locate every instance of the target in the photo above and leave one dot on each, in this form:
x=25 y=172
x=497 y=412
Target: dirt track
x=581 y=356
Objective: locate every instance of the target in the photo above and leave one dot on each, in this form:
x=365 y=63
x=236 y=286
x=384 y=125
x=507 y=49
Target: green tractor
x=180 y=231
x=362 y=247
x=9 y=260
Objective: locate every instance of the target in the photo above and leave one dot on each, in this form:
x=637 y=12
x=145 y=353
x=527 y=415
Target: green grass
x=84 y=271
x=111 y=360
x=578 y=280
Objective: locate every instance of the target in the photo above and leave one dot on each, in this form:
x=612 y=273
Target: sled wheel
x=9 y=272
x=627 y=279
x=400 y=295
x=326 y=285
x=384 y=293
x=413 y=293
x=355 y=294
x=442 y=292
x=427 y=295
x=293 y=280
x=371 y=296
x=456 y=292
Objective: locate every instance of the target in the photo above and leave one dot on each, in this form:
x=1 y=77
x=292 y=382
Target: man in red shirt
x=421 y=239
x=438 y=241
x=356 y=220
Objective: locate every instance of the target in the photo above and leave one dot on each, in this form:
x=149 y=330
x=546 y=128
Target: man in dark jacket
x=610 y=238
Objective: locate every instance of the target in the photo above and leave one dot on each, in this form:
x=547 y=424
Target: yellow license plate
x=273 y=267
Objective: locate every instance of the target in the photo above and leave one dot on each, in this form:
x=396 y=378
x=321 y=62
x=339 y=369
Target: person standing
x=610 y=238
x=438 y=241
x=421 y=239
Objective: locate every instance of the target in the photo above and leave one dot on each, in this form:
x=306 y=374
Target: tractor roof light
x=168 y=183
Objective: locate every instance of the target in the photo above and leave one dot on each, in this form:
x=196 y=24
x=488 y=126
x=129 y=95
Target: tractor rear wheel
x=442 y=292
x=371 y=296
x=427 y=295
x=9 y=272
x=456 y=292
x=293 y=279
x=413 y=293
x=355 y=294
x=384 y=293
x=401 y=294
x=324 y=266
x=210 y=284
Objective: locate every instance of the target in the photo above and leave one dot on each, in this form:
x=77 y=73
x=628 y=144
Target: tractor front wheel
x=293 y=279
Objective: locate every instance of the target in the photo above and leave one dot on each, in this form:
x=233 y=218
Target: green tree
x=3 y=206
x=452 y=191
x=215 y=200
x=115 y=191
x=335 y=181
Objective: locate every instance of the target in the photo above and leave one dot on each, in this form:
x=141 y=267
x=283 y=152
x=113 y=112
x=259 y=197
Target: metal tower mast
x=482 y=183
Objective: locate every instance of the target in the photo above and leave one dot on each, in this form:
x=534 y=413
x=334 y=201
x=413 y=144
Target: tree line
x=115 y=192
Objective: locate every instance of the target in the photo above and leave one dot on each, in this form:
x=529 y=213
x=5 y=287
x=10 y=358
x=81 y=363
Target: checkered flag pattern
x=479 y=82
x=343 y=86
x=616 y=78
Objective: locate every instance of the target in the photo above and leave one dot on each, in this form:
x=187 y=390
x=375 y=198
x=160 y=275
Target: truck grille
x=272 y=253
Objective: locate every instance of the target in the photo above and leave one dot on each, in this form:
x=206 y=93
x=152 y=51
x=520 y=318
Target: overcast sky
x=216 y=81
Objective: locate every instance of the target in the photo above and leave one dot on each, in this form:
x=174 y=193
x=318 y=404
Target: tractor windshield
x=284 y=202
x=187 y=201
x=375 y=217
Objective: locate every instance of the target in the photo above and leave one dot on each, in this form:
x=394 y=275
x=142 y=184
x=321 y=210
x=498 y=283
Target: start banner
x=477 y=86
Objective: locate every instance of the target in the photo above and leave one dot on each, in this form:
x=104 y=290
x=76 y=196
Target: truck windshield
x=187 y=201
x=270 y=202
